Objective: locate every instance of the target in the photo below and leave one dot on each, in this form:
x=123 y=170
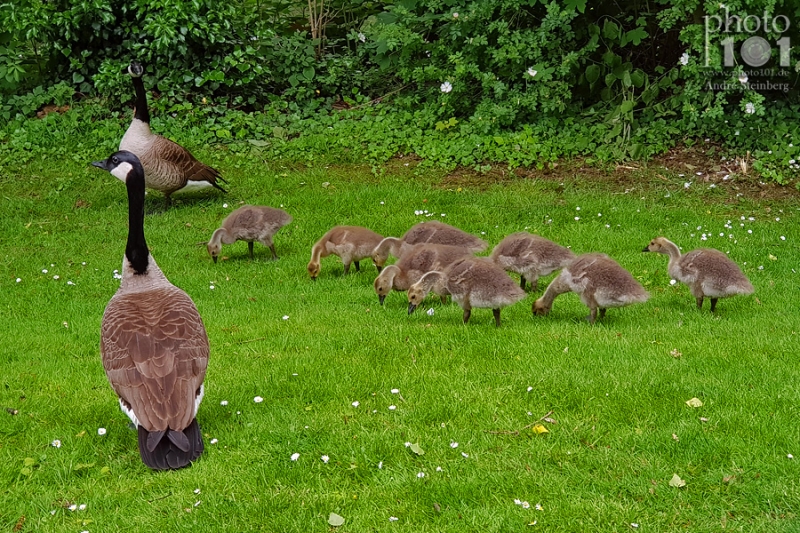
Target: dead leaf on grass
x=694 y=402
x=335 y=520
x=676 y=481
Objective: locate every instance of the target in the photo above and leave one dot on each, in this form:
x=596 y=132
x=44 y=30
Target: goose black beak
x=214 y=257
x=381 y=298
x=411 y=308
x=101 y=164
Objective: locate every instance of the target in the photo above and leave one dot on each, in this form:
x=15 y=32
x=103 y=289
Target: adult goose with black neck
x=153 y=343
x=168 y=166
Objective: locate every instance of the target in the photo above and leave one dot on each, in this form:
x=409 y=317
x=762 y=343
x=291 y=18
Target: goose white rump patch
x=193 y=186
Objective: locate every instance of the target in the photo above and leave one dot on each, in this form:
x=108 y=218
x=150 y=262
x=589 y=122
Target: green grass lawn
x=616 y=391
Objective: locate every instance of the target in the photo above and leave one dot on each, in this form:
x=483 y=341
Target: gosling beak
x=381 y=298
x=214 y=257
x=313 y=278
x=100 y=164
x=646 y=249
x=379 y=268
x=411 y=308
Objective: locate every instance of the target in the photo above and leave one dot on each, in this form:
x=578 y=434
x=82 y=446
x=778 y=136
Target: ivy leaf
x=576 y=5
x=335 y=520
x=592 y=73
x=636 y=36
x=417 y=449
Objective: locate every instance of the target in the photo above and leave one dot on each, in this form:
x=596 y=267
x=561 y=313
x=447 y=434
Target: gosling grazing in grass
x=350 y=243
x=249 y=223
x=708 y=272
x=431 y=232
x=168 y=166
x=599 y=280
x=418 y=260
x=153 y=343
x=530 y=256
x=472 y=282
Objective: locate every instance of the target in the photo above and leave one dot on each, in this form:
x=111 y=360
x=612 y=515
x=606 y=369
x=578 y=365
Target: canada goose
x=599 y=280
x=249 y=223
x=472 y=282
x=168 y=166
x=530 y=256
x=350 y=243
x=153 y=343
x=707 y=272
x=431 y=232
x=418 y=260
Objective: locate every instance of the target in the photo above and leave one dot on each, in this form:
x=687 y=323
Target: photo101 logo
x=755 y=51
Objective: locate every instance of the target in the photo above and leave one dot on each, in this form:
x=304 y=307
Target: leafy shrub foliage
x=550 y=78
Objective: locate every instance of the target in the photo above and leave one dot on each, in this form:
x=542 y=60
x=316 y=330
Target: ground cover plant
x=319 y=400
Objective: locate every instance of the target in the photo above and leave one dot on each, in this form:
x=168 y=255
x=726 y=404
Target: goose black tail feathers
x=177 y=450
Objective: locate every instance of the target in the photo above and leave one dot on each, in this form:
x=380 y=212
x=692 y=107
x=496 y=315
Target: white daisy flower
x=224 y=205
x=362 y=37
x=223 y=402
x=395 y=391
x=82 y=507
x=532 y=72
x=19 y=280
x=454 y=445
x=56 y=444
x=430 y=311
x=285 y=317
x=465 y=455
x=295 y=456
x=258 y=399
x=684 y=60
x=214 y=441
x=325 y=459
x=750 y=108
x=101 y=431
x=446 y=87
x=525 y=505
x=421 y=475
x=455 y=15
x=355 y=403
x=743 y=78
x=392 y=407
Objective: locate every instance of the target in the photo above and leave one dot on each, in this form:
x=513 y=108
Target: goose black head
x=123 y=165
x=135 y=69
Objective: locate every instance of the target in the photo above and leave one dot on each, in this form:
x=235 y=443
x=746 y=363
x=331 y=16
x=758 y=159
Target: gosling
x=530 y=256
x=599 y=280
x=249 y=223
x=431 y=232
x=350 y=243
x=708 y=272
x=472 y=282
x=417 y=261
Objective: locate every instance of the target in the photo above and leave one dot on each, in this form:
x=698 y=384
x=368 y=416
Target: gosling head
x=656 y=245
x=415 y=296
x=214 y=248
x=313 y=270
x=383 y=284
x=379 y=256
x=540 y=308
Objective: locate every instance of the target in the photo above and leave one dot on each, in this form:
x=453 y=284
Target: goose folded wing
x=156 y=361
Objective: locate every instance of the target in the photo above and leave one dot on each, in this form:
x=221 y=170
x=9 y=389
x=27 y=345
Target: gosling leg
x=346 y=268
x=713 y=304
x=467 y=313
x=522 y=282
x=602 y=313
x=496 y=313
x=699 y=302
x=358 y=267
x=592 y=315
x=250 y=249
x=274 y=254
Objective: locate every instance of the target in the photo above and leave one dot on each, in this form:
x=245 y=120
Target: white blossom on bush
x=446 y=87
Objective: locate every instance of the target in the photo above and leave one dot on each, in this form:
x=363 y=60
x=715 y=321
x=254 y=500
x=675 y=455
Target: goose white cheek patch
x=121 y=171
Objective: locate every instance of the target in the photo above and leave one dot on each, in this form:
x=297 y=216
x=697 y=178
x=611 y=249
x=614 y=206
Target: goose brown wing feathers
x=155 y=353
x=177 y=162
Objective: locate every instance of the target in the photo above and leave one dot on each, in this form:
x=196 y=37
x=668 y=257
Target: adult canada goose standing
x=431 y=232
x=249 y=223
x=168 y=166
x=153 y=343
x=708 y=272
x=599 y=280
